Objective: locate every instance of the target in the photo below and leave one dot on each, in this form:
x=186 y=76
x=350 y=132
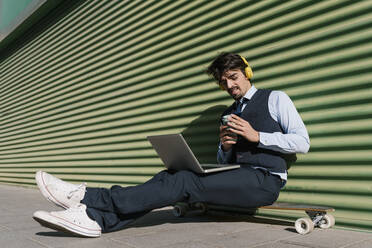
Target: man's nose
x=229 y=84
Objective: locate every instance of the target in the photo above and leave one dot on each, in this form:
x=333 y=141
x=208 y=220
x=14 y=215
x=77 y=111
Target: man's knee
x=185 y=175
x=190 y=181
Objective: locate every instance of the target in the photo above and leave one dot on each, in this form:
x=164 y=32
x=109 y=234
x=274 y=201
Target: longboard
x=318 y=216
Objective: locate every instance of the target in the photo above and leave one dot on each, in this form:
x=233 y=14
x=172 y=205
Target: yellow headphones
x=248 y=69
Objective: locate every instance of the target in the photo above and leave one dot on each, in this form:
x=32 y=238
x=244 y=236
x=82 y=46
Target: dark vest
x=257 y=114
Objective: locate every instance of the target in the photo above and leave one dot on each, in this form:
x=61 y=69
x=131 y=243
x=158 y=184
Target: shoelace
x=78 y=188
x=77 y=208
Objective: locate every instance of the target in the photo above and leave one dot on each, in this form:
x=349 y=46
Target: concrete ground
x=161 y=229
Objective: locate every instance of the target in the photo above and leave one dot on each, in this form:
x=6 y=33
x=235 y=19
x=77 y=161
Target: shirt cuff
x=264 y=140
x=223 y=157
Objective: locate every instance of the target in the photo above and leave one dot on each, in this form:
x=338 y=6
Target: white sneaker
x=73 y=220
x=61 y=193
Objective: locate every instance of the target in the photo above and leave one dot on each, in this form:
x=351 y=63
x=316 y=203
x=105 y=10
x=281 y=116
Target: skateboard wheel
x=327 y=221
x=304 y=225
x=179 y=211
x=201 y=206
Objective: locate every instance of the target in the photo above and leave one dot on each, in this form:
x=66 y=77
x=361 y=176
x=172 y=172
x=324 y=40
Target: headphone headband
x=244 y=60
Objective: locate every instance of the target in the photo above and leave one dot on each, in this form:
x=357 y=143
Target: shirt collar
x=249 y=93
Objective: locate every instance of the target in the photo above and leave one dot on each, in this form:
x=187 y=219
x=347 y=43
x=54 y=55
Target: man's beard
x=237 y=96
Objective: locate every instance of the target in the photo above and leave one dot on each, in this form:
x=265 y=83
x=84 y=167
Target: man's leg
x=114 y=208
x=244 y=187
x=118 y=206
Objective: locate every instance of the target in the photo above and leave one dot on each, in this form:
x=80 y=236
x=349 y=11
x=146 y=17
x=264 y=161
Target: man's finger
x=236 y=131
x=229 y=140
x=238 y=120
x=222 y=127
x=223 y=134
x=235 y=125
x=235 y=117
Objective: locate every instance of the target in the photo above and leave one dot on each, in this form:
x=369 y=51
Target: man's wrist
x=225 y=149
x=257 y=140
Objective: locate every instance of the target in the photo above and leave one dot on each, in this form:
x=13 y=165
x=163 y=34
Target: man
x=263 y=128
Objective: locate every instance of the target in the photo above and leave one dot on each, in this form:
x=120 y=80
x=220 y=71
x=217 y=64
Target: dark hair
x=223 y=62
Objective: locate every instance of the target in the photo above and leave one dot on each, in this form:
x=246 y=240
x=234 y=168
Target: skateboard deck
x=318 y=216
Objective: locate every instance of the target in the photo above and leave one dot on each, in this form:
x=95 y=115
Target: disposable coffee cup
x=225 y=120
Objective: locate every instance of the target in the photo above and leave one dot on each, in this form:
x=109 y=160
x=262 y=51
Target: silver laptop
x=177 y=155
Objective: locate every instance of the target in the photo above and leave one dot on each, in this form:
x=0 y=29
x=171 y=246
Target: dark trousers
x=115 y=208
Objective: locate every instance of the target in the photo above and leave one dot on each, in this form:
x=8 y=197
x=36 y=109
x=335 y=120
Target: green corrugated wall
x=79 y=98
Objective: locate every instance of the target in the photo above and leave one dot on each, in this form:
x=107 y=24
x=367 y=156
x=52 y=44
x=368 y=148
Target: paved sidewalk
x=160 y=229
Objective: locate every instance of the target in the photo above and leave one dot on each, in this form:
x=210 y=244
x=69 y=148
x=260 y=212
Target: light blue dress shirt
x=295 y=138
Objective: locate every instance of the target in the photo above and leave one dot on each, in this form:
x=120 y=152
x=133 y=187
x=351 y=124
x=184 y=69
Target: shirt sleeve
x=223 y=157
x=295 y=138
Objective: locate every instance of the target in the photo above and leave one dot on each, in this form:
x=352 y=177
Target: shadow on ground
x=56 y=234
x=166 y=216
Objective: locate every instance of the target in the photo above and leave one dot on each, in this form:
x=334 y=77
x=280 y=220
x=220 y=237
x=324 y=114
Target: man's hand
x=242 y=127
x=227 y=138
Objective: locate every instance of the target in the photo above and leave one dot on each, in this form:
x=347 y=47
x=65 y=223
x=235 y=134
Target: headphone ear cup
x=248 y=72
x=248 y=69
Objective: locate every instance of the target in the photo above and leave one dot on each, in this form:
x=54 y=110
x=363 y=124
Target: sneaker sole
x=45 y=192
x=62 y=228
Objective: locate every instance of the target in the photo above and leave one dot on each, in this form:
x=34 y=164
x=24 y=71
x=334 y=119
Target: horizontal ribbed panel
x=79 y=99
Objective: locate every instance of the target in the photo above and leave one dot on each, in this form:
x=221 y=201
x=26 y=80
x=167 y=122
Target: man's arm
x=295 y=138
x=224 y=153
